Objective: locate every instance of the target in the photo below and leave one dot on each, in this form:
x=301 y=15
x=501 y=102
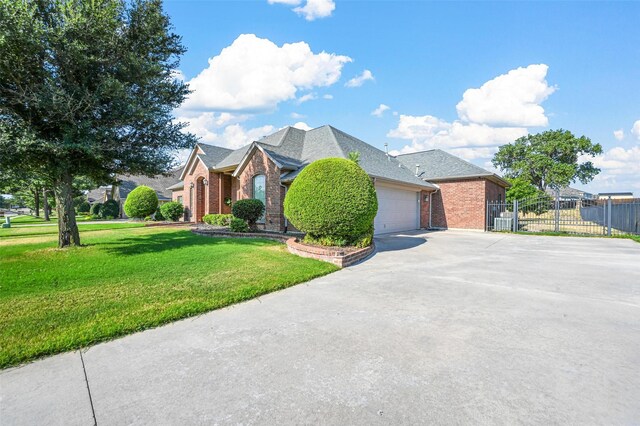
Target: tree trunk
x=68 y=234
x=36 y=198
x=45 y=204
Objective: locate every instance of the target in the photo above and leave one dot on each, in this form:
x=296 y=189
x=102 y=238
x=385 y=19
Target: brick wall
x=494 y=192
x=424 y=209
x=260 y=164
x=207 y=199
x=462 y=203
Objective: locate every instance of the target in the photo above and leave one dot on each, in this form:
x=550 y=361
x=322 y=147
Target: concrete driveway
x=445 y=328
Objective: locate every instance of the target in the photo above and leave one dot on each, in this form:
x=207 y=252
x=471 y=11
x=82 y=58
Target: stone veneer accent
x=338 y=257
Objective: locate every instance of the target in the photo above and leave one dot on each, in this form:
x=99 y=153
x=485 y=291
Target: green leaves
x=550 y=159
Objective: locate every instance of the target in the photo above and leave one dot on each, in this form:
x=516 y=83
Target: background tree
x=549 y=159
x=87 y=89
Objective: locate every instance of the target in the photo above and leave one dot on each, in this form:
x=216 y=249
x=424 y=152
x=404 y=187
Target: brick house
x=214 y=177
x=463 y=188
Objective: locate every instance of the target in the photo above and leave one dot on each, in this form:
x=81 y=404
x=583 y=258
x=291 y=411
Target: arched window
x=260 y=191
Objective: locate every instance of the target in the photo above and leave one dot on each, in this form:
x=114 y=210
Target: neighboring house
x=615 y=195
x=265 y=169
x=570 y=194
x=463 y=188
x=127 y=183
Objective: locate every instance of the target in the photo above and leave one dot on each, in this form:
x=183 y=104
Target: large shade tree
x=551 y=159
x=87 y=89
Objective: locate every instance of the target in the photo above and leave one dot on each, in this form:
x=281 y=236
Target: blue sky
x=461 y=76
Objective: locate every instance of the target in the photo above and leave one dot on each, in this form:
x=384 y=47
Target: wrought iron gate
x=567 y=215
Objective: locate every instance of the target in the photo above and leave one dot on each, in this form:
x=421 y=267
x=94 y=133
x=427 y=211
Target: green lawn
x=27 y=231
x=34 y=220
x=126 y=280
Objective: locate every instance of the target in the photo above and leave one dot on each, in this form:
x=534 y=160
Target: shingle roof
x=437 y=164
x=213 y=154
x=568 y=192
x=295 y=148
x=158 y=183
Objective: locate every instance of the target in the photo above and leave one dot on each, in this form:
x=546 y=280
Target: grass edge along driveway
x=128 y=280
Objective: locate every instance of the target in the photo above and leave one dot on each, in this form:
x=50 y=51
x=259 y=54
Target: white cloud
x=301 y=125
x=307 y=97
x=312 y=10
x=497 y=113
x=620 y=169
x=380 y=110
x=327 y=96
x=315 y=9
x=254 y=74
x=297 y=116
x=635 y=130
x=618 y=134
x=511 y=99
x=223 y=129
x=359 y=80
x=428 y=132
x=235 y=136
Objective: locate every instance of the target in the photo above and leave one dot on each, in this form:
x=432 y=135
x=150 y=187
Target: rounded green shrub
x=110 y=208
x=217 y=219
x=84 y=207
x=172 y=210
x=238 y=225
x=95 y=209
x=250 y=210
x=141 y=202
x=334 y=201
x=158 y=216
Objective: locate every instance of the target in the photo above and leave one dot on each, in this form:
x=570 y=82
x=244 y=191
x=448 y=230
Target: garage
x=398 y=209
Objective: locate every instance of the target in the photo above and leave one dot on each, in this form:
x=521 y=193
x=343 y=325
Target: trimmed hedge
x=84 y=207
x=217 y=219
x=250 y=210
x=172 y=211
x=334 y=201
x=141 y=202
x=95 y=209
x=238 y=225
x=157 y=216
x=110 y=209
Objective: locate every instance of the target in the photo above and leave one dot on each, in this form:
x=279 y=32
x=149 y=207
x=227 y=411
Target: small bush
x=172 y=210
x=250 y=210
x=141 y=202
x=217 y=219
x=84 y=207
x=334 y=201
x=95 y=209
x=148 y=218
x=158 y=216
x=93 y=217
x=238 y=225
x=110 y=208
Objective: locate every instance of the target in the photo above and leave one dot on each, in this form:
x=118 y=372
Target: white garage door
x=397 y=210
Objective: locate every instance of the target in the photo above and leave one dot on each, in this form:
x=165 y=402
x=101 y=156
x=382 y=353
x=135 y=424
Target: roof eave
x=427 y=186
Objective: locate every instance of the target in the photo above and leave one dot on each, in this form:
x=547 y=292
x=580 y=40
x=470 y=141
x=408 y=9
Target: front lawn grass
x=127 y=280
x=27 y=231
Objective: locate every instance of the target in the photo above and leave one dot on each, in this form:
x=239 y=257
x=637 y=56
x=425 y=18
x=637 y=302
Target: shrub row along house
x=421 y=190
x=126 y=184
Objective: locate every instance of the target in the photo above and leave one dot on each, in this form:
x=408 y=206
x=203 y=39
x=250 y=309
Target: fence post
x=486 y=228
x=609 y=216
x=557 y=213
x=515 y=215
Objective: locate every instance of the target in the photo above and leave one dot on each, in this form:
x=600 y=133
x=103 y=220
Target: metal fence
x=573 y=216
